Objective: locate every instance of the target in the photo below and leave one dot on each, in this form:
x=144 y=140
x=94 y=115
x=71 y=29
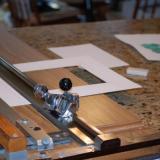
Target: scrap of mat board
x=138 y=41
x=90 y=50
x=112 y=81
x=10 y=95
x=132 y=71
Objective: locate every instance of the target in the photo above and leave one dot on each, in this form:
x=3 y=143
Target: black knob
x=65 y=84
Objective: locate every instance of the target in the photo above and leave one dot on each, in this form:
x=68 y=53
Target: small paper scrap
x=137 y=71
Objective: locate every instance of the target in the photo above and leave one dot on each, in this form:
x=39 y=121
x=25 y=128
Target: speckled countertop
x=146 y=101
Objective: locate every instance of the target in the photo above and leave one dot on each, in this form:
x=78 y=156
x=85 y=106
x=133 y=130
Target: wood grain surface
x=98 y=110
x=99 y=34
x=15 y=50
x=11 y=138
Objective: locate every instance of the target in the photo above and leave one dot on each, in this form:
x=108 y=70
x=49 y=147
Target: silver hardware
x=64 y=106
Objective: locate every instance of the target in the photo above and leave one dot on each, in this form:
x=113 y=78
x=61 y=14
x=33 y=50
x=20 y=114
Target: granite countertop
x=146 y=101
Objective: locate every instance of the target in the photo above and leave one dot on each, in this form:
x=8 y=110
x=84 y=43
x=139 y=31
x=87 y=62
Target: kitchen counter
x=144 y=102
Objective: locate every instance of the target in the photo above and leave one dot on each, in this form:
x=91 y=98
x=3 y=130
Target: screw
x=46 y=141
x=57 y=136
x=24 y=121
x=61 y=155
x=43 y=155
x=14 y=135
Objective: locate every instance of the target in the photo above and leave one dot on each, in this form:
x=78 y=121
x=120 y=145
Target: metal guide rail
x=61 y=110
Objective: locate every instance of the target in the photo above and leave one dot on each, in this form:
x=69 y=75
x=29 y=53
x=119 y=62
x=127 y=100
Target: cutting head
x=63 y=106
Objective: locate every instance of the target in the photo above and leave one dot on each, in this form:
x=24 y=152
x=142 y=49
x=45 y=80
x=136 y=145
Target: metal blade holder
x=63 y=106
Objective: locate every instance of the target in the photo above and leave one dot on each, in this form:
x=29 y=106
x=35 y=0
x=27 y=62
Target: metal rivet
x=46 y=141
x=24 y=121
x=42 y=155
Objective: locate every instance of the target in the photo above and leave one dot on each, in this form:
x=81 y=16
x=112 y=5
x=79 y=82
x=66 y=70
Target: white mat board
x=112 y=81
x=137 y=40
x=10 y=95
x=90 y=50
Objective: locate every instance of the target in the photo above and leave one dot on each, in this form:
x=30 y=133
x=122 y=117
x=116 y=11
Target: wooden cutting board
x=98 y=110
